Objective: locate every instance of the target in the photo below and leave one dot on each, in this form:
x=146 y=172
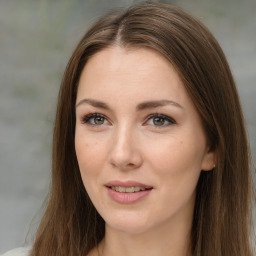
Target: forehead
x=128 y=56
x=118 y=69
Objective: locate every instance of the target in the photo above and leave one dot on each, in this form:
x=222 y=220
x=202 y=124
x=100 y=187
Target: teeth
x=121 y=189
x=128 y=190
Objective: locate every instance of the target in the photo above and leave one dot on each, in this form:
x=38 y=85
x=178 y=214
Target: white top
x=22 y=251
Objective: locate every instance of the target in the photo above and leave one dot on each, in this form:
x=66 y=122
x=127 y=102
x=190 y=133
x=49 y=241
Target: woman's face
x=139 y=141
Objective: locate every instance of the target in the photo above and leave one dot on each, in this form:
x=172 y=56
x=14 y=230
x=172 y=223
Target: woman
x=150 y=155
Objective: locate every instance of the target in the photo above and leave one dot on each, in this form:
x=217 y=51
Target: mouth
x=128 y=189
x=127 y=192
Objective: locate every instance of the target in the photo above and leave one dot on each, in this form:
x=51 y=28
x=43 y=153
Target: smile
x=127 y=192
x=127 y=189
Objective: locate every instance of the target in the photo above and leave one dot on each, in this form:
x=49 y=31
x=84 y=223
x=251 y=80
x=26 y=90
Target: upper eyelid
x=167 y=117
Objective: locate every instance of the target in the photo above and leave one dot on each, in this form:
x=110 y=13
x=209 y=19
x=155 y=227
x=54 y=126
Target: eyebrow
x=157 y=103
x=140 y=107
x=94 y=103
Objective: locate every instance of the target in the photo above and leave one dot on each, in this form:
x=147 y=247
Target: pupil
x=98 y=120
x=158 y=121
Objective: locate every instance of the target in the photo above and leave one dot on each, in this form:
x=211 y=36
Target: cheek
x=177 y=161
x=177 y=169
x=88 y=154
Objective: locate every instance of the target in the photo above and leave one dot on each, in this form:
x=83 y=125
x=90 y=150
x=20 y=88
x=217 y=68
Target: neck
x=172 y=239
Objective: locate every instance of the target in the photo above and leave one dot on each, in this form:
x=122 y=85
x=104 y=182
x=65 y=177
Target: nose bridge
x=125 y=149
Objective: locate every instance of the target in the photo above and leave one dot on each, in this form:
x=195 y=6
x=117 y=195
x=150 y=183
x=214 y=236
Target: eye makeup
x=156 y=120
x=159 y=120
x=94 y=119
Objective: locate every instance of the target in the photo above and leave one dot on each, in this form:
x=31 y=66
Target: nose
x=125 y=153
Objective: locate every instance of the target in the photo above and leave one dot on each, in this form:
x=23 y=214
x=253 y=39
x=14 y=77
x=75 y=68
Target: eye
x=94 y=119
x=160 y=120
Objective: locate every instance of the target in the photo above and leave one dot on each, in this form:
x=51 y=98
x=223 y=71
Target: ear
x=209 y=160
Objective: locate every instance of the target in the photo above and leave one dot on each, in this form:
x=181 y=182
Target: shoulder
x=22 y=251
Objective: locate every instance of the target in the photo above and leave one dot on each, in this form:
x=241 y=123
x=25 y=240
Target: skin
x=128 y=144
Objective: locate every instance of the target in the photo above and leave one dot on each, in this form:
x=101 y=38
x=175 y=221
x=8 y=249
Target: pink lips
x=125 y=197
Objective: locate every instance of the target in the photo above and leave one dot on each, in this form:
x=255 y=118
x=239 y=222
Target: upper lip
x=127 y=184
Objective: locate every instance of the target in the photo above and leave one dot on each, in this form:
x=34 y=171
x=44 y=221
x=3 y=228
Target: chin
x=129 y=228
x=130 y=223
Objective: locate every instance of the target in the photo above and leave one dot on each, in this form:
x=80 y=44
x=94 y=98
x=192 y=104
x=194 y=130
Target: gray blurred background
x=37 y=38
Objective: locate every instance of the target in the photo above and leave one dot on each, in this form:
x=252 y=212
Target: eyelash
x=86 y=119
x=165 y=118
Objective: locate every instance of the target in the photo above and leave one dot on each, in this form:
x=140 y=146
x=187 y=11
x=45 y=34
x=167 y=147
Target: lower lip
x=127 y=198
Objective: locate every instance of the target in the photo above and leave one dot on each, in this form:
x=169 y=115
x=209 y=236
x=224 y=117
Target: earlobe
x=209 y=161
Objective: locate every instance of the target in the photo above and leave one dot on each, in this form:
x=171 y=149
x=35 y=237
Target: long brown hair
x=222 y=215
